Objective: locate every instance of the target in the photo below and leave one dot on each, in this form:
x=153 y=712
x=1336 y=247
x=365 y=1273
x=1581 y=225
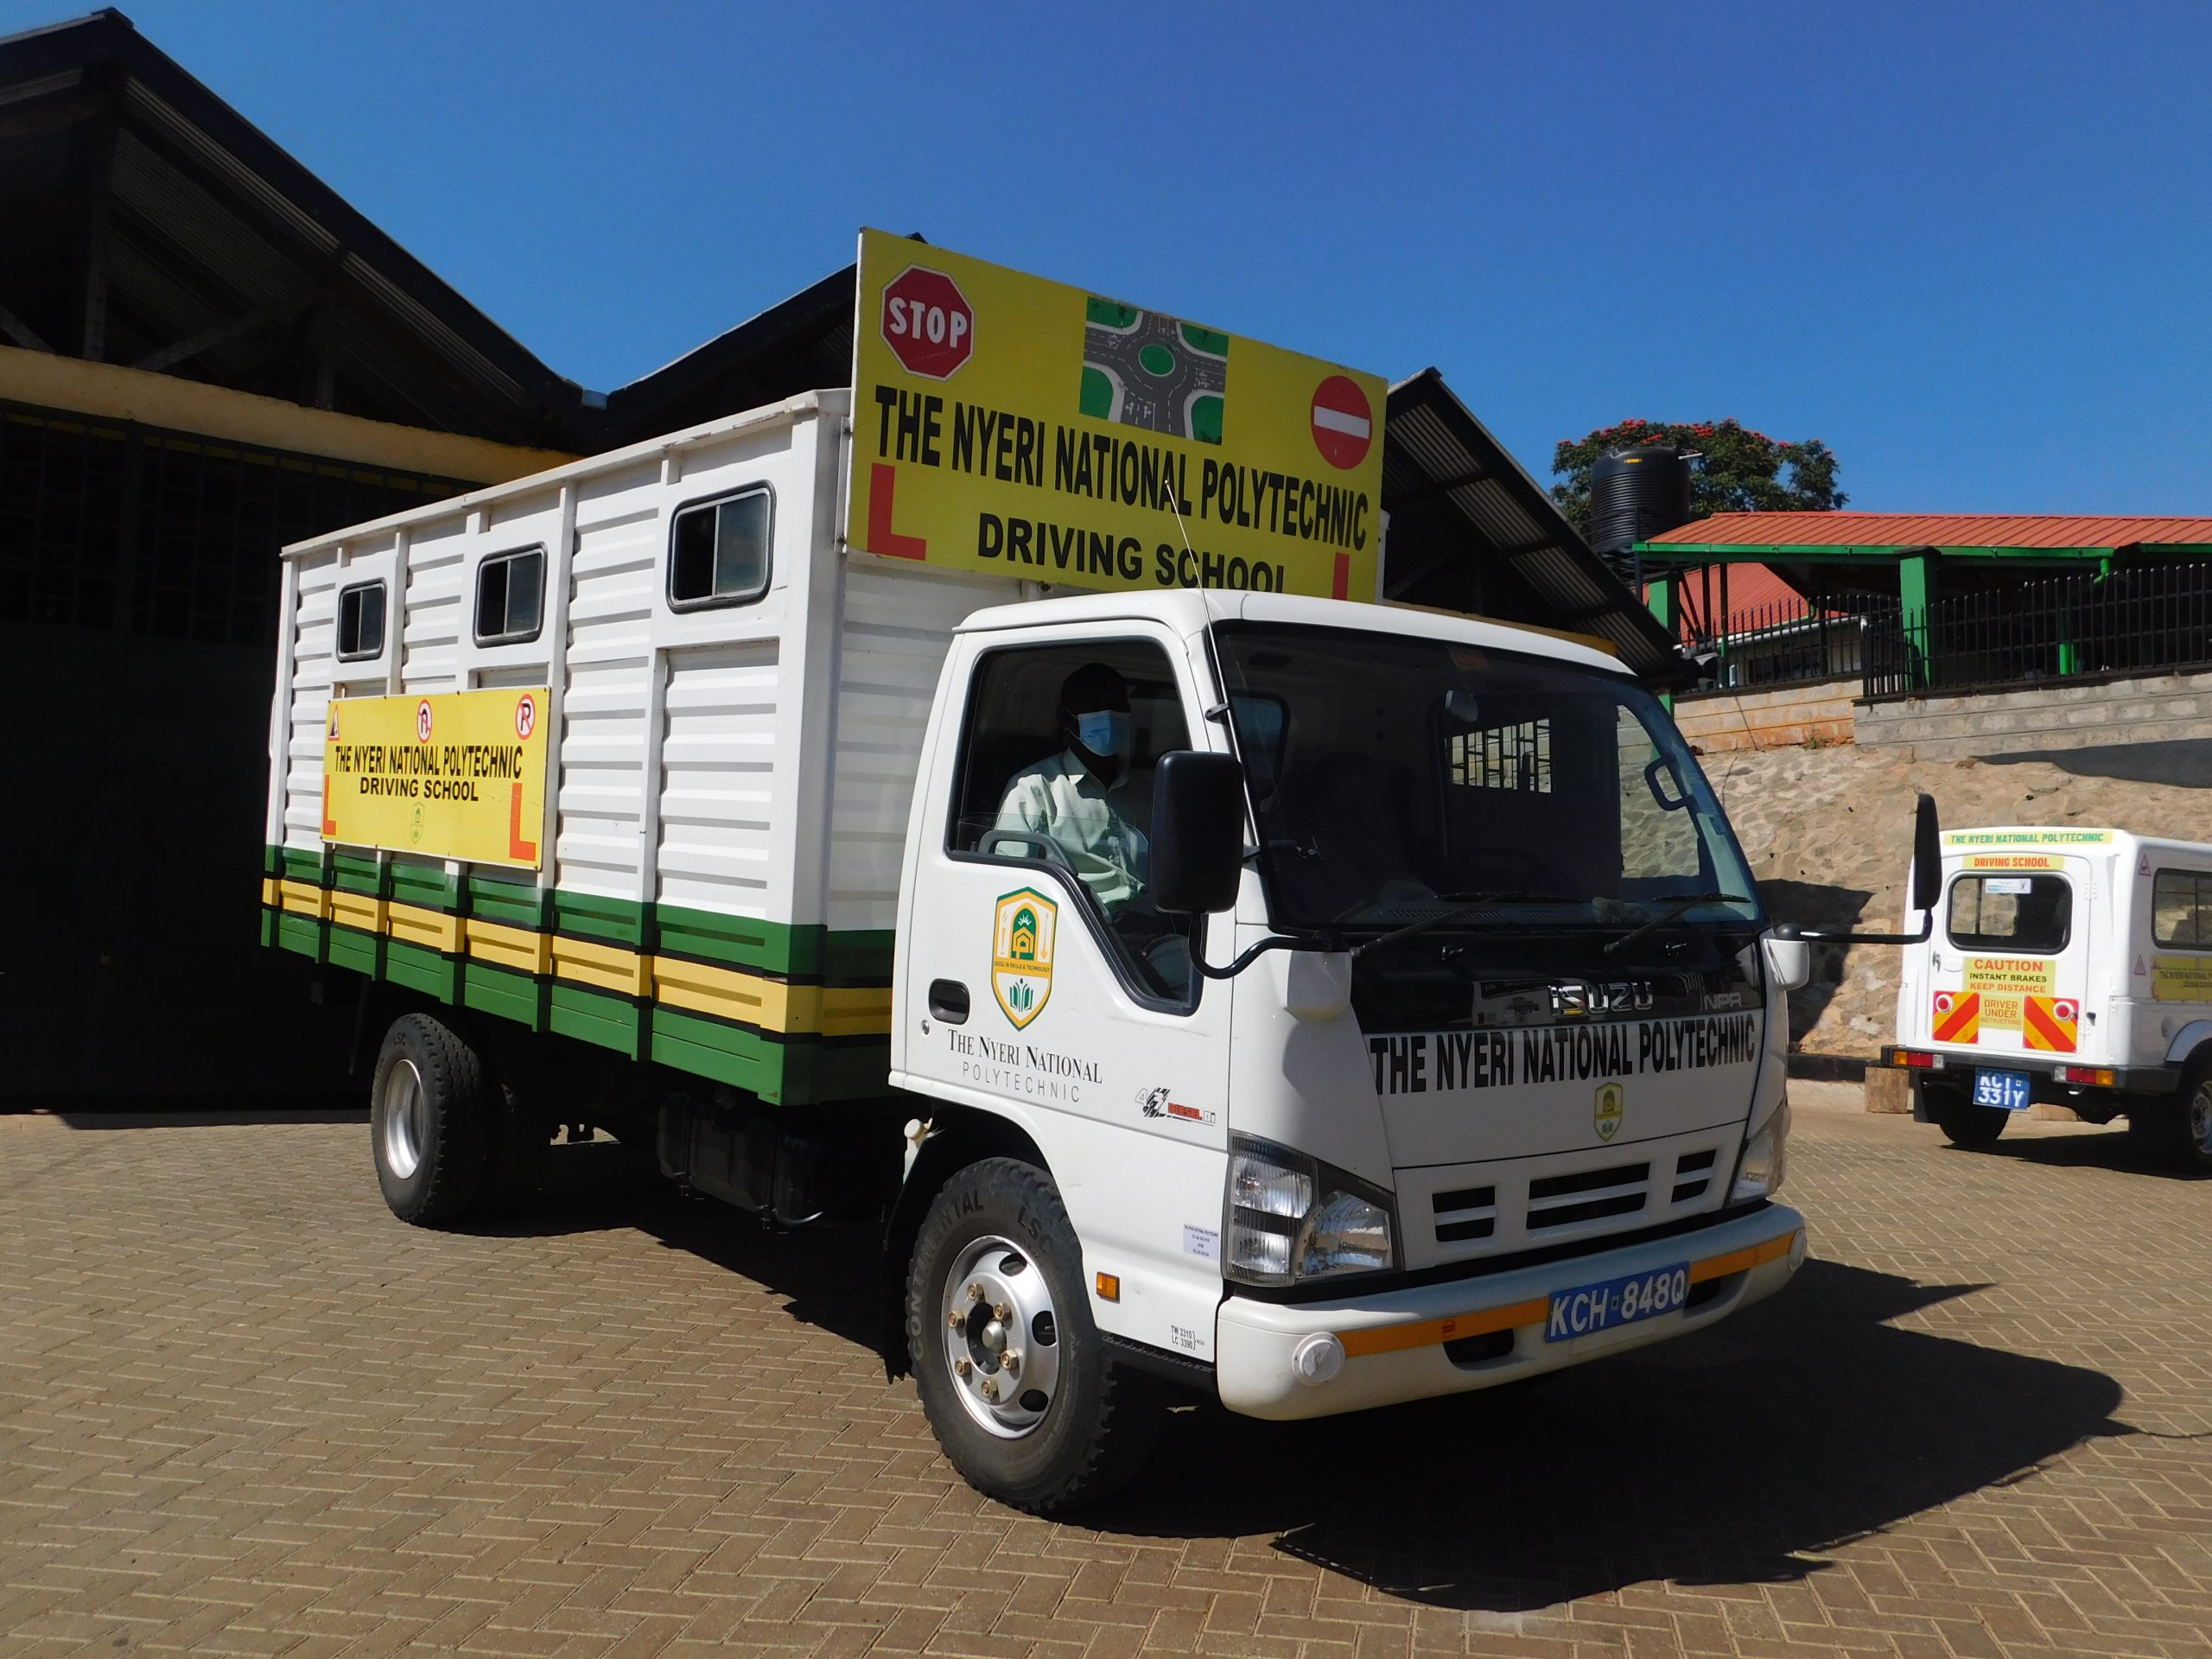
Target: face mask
x=1104 y=733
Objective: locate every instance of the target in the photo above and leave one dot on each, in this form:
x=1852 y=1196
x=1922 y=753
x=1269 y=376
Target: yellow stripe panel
x=703 y=988
x=523 y=949
x=434 y=930
x=1427 y=1333
x=725 y=993
x=356 y=909
x=852 y=1010
x=302 y=899
x=602 y=967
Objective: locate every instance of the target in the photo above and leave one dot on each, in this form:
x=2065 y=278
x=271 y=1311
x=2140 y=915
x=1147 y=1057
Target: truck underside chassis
x=2168 y=1108
x=983 y=1292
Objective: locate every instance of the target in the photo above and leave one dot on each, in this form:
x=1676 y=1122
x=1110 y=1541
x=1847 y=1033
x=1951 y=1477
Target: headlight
x=1766 y=1159
x=1291 y=1218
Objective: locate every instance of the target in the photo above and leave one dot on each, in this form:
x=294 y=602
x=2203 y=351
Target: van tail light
x=2099 y=1077
x=1911 y=1057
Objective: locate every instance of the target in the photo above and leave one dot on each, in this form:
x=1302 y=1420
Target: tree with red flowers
x=1737 y=470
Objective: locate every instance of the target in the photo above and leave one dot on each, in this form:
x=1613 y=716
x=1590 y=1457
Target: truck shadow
x=1739 y=1456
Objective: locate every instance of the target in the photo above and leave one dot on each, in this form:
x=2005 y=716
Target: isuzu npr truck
x=1208 y=981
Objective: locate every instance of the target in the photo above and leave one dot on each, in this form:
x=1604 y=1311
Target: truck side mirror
x=1927 y=855
x=1197 y=832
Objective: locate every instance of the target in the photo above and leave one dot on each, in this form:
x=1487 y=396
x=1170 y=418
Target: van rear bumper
x=2125 y=1079
x=1466 y=1334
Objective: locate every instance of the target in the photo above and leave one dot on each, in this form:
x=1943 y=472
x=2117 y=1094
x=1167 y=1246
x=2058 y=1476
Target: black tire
x=1965 y=1123
x=2187 y=1124
x=428 y=1122
x=1092 y=1434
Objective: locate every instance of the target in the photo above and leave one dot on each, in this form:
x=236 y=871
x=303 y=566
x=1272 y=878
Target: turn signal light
x=1914 y=1057
x=2103 y=1077
x=1109 y=1287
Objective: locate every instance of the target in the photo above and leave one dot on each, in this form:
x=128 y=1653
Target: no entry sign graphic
x=1343 y=424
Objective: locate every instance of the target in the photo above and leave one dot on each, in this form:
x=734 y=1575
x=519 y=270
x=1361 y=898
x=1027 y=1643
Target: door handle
x=949 y=1001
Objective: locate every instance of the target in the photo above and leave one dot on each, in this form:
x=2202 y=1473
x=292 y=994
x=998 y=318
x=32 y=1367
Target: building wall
x=1818 y=712
x=138 y=583
x=2062 y=715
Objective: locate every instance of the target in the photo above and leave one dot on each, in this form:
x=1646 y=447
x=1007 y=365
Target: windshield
x=1394 y=776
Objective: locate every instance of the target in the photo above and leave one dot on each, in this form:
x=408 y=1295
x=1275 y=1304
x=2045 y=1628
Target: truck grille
x=1467 y=1212
x=1587 y=1195
x=1509 y=1210
x=1693 y=1174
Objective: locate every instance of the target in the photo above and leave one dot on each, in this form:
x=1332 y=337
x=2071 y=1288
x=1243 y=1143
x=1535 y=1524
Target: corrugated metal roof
x=1457 y=498
x=1894 y=530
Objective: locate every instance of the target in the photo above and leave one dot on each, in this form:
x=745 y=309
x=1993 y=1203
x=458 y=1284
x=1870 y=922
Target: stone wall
x=2058 y=715
x=1819 y=711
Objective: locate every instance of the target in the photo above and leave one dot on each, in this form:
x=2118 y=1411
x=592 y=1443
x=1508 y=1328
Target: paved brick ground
x=242 y=1410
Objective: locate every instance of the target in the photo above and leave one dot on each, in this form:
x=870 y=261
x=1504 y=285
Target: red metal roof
x=1933 y=530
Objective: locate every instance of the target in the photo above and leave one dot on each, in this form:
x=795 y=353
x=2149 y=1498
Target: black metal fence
x=1787 y=643
x=2146 y=620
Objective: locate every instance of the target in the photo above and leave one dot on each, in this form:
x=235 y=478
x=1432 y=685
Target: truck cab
x=2064 y=966
x=1475 y=1072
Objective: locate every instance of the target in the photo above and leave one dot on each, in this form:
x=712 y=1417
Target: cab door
x=2009 y=962
x=1021 y=991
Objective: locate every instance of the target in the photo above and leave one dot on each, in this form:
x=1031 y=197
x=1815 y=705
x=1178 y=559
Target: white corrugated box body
x=752 y=761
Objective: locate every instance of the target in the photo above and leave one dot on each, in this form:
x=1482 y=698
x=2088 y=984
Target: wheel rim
x=406 y=1119
x=2200 y=1121
x=1002 y=1337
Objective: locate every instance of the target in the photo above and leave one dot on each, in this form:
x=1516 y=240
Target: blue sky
x=1968 y=245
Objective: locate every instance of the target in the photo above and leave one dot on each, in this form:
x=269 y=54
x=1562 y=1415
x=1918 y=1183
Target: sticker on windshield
x=1021 y=954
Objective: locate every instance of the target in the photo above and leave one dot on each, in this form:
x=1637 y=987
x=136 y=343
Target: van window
x=2181 y=909
x=718 y=551
x=511 y=597
x=360 y=621
x=2033 y=914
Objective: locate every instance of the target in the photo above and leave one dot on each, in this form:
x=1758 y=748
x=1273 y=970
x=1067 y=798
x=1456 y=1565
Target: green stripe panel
x=519 y=904
x=589 y=915
x=356 y=874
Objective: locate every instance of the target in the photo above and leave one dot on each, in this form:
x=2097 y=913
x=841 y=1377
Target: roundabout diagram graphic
x=1143 y=369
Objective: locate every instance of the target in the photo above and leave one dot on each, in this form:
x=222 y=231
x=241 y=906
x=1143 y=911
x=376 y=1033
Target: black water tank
x=1636 y=494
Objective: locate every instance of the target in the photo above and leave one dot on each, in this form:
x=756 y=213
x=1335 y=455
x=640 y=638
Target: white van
x=2072 y=966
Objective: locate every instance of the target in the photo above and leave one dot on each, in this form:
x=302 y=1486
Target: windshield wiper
x=1459 y=912
x=1683 y=903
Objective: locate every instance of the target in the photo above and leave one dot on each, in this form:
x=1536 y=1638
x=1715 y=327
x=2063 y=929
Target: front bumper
x=1395 y=1343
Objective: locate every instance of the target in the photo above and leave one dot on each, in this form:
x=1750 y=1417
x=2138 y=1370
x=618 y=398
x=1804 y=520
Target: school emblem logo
x=1021 y=954
x=1612 y=1100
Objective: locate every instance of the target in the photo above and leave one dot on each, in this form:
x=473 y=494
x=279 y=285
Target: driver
x=1070 y=797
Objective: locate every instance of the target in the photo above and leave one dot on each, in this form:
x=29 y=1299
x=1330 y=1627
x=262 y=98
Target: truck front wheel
x=428 y=1122
x=1013 y=1374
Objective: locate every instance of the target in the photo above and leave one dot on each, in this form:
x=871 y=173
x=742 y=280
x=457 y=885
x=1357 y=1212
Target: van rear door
x=2009 y=962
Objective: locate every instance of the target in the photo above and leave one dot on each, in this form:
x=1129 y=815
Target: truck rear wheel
x=427 y=1120
x=1965 y=1123
x=1013 y=1374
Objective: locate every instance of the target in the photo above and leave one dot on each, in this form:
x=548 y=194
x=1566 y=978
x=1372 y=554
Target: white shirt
x=1060 y=799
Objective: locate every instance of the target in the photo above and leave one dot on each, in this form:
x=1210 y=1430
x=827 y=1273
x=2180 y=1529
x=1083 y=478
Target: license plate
x=1586 y=1308
x=2007 y=1089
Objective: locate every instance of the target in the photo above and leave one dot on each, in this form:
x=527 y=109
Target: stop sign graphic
x=927 y=322
x=1343 y=424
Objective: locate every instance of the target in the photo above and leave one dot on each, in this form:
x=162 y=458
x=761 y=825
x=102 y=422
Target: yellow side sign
x=458 y=775
x=1009 y=424
x=2181 y=979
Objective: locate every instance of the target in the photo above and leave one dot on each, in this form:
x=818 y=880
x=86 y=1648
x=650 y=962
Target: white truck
x=2073 y=966
x=1312 y=1003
